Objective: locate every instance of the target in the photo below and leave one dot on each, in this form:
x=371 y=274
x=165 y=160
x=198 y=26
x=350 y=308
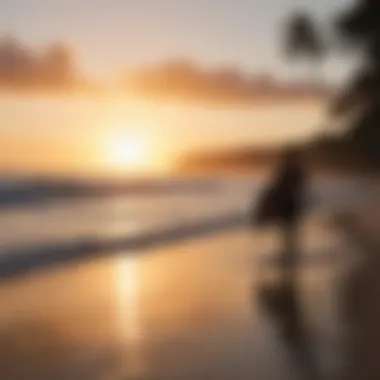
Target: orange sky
x=72 y=133
x=58 y=135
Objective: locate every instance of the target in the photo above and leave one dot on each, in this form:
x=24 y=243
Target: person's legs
x=289 y=251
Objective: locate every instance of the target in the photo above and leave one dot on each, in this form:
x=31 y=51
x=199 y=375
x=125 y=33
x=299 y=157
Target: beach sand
x=201 y=310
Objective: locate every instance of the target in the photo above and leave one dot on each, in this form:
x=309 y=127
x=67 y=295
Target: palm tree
x=359 y=105
x=303 y=42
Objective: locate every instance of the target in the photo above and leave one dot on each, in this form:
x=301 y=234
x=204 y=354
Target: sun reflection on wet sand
x=129 y=313
x=185 y=312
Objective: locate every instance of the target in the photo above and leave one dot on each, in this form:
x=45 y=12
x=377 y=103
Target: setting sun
x=129 y=151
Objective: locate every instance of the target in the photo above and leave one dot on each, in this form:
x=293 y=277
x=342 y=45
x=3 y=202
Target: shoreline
x=16 y=262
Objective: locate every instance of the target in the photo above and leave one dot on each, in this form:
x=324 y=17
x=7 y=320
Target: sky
x=110 y=36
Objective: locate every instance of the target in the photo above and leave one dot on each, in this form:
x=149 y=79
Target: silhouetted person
x=282 y=205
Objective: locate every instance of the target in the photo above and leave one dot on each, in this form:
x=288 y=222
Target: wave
x=22 y=260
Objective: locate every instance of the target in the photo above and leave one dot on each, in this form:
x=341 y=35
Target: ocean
x=64 y=220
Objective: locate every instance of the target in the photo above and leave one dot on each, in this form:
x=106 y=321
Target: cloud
x=21 y=67
x=185 y=80
x=55 y=68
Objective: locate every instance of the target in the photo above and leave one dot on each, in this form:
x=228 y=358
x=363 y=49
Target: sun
x=128 y=151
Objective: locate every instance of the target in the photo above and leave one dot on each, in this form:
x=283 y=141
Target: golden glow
x=129 y=151
x=128 y=312
x=128 y=283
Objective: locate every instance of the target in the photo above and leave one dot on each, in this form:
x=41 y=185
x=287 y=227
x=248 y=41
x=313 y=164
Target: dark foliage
x=360 y=102
x=302 y=39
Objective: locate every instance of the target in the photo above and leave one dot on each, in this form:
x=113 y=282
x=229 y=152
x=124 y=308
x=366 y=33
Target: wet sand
x=202 y=310
x=362 y=290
